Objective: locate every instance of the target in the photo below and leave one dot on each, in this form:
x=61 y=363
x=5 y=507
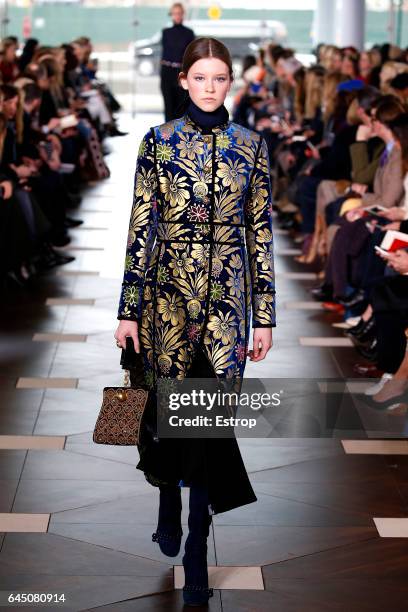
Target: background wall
x=111 y=27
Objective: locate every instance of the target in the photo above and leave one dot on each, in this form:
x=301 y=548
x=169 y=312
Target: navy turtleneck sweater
x=207 y=120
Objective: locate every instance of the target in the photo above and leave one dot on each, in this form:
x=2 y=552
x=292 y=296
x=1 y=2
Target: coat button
x=207 y=138
x=200 y=189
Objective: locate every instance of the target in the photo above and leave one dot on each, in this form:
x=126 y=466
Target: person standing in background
x=174 y=42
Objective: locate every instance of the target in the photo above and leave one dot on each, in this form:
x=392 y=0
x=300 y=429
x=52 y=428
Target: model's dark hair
x=201 y=48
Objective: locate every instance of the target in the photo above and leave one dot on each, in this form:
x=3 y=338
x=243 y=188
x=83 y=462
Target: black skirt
x=215 y=463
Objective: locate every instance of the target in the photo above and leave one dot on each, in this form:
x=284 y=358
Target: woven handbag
x=122 y=410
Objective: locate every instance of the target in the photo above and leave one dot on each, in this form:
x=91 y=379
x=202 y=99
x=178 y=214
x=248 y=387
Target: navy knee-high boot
x=169 y=531
x=195 y=590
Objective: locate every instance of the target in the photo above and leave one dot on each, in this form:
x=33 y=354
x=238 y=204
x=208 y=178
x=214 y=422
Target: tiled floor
x=328 y=530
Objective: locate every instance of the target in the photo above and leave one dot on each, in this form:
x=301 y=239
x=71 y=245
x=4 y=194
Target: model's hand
x=262 y=343
x=127 y=328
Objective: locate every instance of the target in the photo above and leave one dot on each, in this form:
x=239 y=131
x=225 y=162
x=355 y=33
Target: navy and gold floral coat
x=199 y=257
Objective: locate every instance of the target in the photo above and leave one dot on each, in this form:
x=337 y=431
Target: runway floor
x=329 y=529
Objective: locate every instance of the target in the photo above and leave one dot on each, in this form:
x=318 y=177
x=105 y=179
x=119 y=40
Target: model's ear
x=182 y=79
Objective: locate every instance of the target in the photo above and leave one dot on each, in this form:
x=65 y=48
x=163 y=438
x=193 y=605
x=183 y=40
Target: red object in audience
x=369 y=370
x=394 y=240
x=333 y=307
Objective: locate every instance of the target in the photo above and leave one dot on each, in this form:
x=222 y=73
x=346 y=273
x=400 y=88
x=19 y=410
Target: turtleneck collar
x=207 y=120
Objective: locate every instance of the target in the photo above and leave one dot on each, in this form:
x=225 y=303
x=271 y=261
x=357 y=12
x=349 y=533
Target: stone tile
x=364 y=498
x=272 y=510
x=283 y=362
x=330 y=595
x=46 y=383
x=89 y=227
x=239 y=577
x=19 y=409
x=61 y=495
x=86 y=320
x=297 y=275
x=327 y=342
x=257 y=545
x=78 y=247
x=298 y=305
x=57 y=421
x=248 y=601
x=32 y=442
x=65 y=301
x=8 y=490
x=25 y=358
x=58 y=558
x=77 y=272
x=88 y=362
x=392 y=527
x=372 y=559
x=27 y=523
x=375 y=447
x=172 y=600
x=56 y=555
x=11 y=463
x=142 y=501
x=50 y=337
x=106 y=592
x=269 y=456
x=131 y=538
x=282 y=252
x=122 y=454
x=336 y=469
x=72 y=466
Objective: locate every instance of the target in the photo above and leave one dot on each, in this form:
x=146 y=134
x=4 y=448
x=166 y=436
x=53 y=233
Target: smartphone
x=375 y=210
x=129 y=358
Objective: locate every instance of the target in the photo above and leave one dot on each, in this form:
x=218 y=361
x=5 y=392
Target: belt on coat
x=200 y=232
x=170 y=64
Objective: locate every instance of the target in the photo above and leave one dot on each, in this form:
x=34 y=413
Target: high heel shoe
x=195 y=590
x=313 y=252
x=386 y=404
x=355 y=299
x=169 y=532
x=362 y=330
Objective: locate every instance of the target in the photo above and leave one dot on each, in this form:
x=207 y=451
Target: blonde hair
x=329 y=96
x=388 y=72
x=314 y=92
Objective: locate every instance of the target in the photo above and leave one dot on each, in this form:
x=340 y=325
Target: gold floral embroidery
x=232 y=174
x=190 y=147
x=174 y=189
x=223 y=326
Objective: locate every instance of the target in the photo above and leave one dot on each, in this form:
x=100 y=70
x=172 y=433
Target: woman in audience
x=35 y=192
x=329 y=181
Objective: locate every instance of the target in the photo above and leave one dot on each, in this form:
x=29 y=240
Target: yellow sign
x=214 y=12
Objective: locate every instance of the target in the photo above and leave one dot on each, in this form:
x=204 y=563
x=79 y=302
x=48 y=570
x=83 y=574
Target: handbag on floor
x=122 y=408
